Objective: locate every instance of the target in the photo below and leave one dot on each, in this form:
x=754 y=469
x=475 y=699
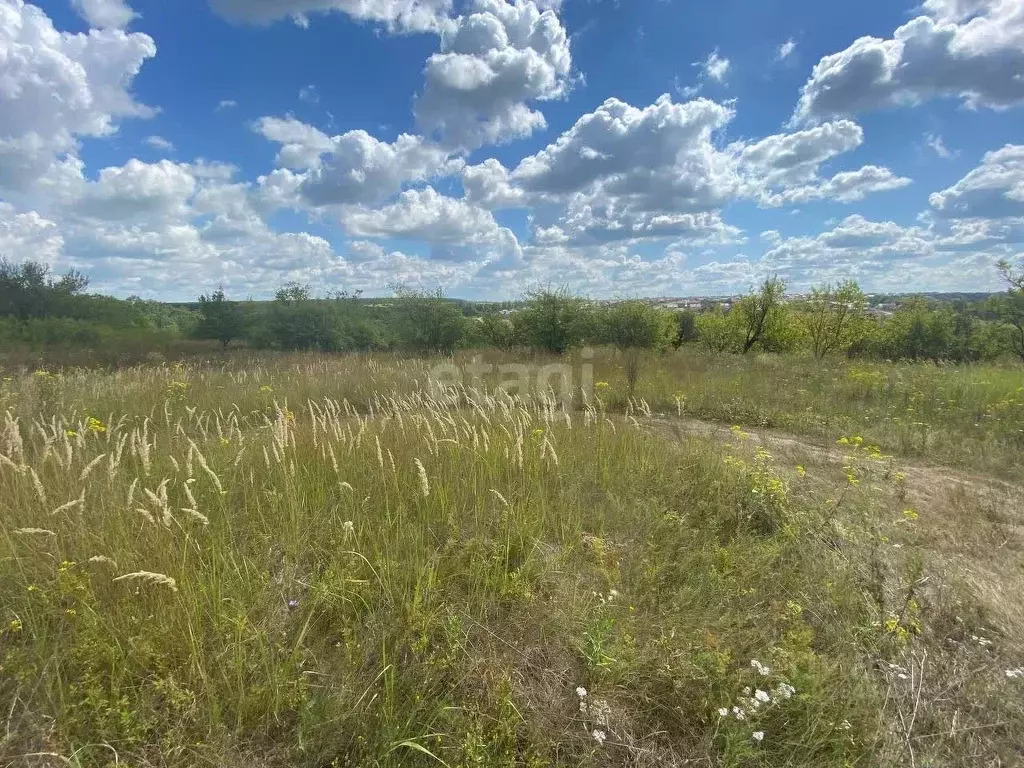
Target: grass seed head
x=149 y=577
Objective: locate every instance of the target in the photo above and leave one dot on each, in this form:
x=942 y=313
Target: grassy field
x=305 y=561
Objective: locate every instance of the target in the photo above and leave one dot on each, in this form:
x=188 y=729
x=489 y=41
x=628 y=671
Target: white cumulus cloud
x=994 y=190
x=29 y=234
x=423 y=215
x=967 y=49
x=105 y=13
x=492 y=62
x=302 y=145
x=353 y=167
x=57 y=86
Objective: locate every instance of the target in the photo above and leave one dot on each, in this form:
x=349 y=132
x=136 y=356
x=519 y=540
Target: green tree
x=297 y=321
x=759 y=312
x=916 y=331
x=634 y=326
x=833 y=318
x=686 y=328
x=1012 y=276
x=1010 y=308
x=28 y=291
x=497 y=331
x=719 y=331
x=428 y=322
x=553 y=320
x=219 y=318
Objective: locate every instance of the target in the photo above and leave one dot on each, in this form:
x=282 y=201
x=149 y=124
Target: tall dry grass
x=310 y=561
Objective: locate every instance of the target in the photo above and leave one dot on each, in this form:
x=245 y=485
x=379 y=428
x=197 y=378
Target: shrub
x=554 y=321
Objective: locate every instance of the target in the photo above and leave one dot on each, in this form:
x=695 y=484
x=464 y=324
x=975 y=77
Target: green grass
x=970 y=416
x=301 y=593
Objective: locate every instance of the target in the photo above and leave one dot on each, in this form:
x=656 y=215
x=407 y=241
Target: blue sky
x=619 y=148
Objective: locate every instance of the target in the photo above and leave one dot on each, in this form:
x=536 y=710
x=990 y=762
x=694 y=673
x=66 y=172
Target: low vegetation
x=412 y=532
x=318 y=561
x=47 y=322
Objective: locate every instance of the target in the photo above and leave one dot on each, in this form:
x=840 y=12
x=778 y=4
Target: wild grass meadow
x=307 y=560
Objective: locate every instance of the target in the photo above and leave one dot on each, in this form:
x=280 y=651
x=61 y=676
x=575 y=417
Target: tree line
x=39 y=311
x=830 y=320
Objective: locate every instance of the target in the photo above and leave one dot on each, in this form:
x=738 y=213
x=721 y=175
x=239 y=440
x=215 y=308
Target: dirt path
x=971 y=525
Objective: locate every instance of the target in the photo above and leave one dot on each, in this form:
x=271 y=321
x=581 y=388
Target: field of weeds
x=303 y=561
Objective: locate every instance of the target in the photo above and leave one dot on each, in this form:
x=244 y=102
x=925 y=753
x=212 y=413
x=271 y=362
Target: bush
x=719 y=332
x=496 y=331
x=686 y=328
x=554 y=321
x=219 y=319
x=636 y=324
x=428 y=322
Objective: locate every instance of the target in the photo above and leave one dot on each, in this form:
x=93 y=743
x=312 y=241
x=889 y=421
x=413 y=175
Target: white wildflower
x=762 y=696
x=723 y=711
x=581 y=691
x=599 y=735
x=600 y=712
x=783 y=691
x=739 y=713
x=758 y=736
x=761 y=668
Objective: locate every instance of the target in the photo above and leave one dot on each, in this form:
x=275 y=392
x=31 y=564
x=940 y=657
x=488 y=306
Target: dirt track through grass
x=969 y=522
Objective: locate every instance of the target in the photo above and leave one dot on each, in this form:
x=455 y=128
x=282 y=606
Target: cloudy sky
x=617 y=147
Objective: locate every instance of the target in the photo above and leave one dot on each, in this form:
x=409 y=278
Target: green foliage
x=428 y=322
x=286 y=593
x=51 y=320
x=553 y=321
x=762 y=316
x=219 y=318
x=173 y=318
x=919 y=332
x=719 y=331
x=296 y=321
x=759 y=320
x=686 y=328
x=636 y=324
x=1014 y=277
x=1010 y=309
x=28 y=291
x=833 y=318
x=496 y=331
